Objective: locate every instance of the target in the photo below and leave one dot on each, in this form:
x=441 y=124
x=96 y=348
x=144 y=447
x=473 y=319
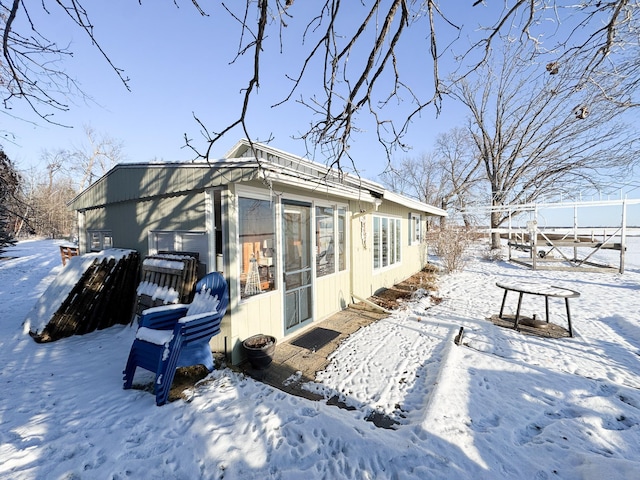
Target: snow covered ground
x=502 y=405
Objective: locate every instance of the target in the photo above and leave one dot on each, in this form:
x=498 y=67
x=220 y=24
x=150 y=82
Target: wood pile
x=104 y=296
x=166 y=278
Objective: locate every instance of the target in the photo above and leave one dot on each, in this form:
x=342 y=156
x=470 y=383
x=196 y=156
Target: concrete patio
x=308 y=352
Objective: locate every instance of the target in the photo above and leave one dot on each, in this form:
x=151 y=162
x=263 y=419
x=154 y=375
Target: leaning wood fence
x=104 y=296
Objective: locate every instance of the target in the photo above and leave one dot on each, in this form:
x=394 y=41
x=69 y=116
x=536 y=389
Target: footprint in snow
x=486 y=424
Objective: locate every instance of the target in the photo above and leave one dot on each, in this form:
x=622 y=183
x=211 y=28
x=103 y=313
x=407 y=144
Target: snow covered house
x=297 y=241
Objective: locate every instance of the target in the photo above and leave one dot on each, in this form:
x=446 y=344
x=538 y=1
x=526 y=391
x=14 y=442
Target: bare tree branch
x=540 y=134
x=361 y=52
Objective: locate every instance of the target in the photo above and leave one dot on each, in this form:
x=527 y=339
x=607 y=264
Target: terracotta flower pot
x=260 y=349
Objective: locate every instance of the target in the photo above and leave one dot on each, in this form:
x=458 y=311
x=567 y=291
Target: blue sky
x=180 y=63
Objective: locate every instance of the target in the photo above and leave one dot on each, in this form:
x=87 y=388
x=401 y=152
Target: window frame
x=339 y=237
x=387 y=242
x=415 y=229
x=341 y=213
x=325 y=232
x=178 y=241
x=271 y=252
x=103 y=234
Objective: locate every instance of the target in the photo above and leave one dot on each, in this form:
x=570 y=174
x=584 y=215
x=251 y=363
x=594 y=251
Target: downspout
x=371 y=304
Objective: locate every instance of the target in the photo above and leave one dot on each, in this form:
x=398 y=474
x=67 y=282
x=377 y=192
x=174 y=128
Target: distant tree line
x=34 y=201
x=10 y=181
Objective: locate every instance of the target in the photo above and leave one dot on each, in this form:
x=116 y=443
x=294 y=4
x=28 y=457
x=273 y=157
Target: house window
x=256 y=232
x=397 y=240
x=415 y=229
x=331 y=225
x=376 y=242
x=342 y=241
x=325 y=241
x=99 y=240
x=179 y=241
x=386 y=242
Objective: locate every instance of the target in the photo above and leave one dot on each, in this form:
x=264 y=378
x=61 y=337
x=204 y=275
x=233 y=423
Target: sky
x=501 y=405
x=182 y=64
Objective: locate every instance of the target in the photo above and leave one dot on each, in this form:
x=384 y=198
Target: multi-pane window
x=325 y=241
x=331 y=246
x=99 y=240
x=256 y=231
x=179 y=241
x=386 y=241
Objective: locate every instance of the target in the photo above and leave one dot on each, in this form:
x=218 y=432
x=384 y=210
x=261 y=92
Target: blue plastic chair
x=173 y=336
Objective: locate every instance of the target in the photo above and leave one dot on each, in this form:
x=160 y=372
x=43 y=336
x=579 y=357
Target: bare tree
x=360 y=48
x=44 y=198
x=87 y=162
x=90 y=161
x=32 y=65
x=542 y=129
x=419 y=177
x=450 y=176
x=462 y=168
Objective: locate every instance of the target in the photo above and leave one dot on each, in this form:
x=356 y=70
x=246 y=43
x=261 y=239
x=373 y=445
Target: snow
x=203 y=302
x=164 y=308
x=499 y=406
x=152 y=335
x=165 y=262
x=67 y=277
x=156 y=292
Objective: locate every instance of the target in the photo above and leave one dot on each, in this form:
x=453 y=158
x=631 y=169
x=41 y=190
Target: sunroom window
x=256 y=229
x=325 y=241
x=342 y=240
x=331 y=224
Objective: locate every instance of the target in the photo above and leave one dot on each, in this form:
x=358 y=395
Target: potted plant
x=260 y=349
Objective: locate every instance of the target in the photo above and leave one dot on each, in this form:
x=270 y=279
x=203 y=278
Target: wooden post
x=575 y=232
x=67 y=252
x=623 y=235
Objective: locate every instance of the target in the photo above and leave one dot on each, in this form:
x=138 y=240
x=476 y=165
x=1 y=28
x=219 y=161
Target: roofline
x=329 y=180
x=165 y=164
x=374 y=188
x=414 y=204
x=354 y=179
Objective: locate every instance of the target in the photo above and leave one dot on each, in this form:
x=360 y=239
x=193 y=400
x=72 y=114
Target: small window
x=342 y=241
x=180 y=241
x=415 y=229
x=99 y=240
x=386 y=242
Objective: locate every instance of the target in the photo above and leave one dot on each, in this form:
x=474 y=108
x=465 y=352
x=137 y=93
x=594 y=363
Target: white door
x=298 y=288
